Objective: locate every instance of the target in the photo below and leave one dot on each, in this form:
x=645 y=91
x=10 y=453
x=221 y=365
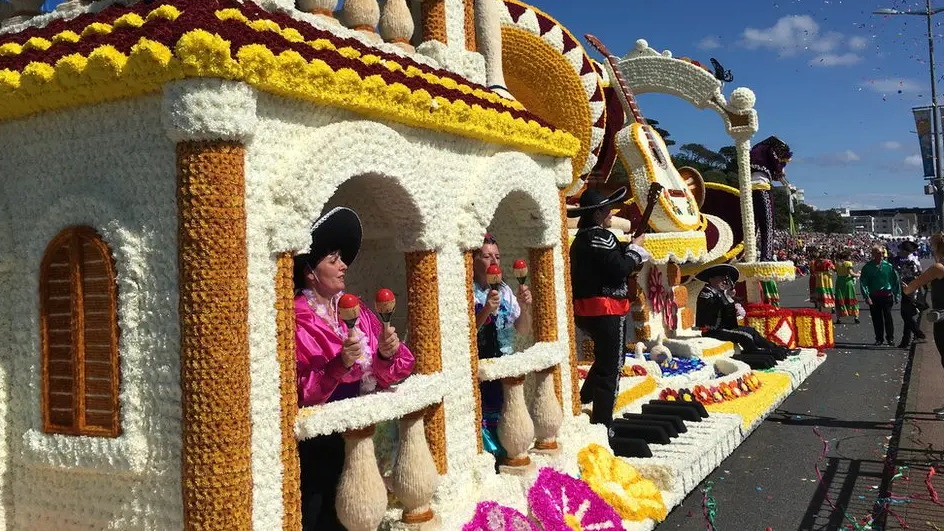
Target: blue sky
x=834 y=81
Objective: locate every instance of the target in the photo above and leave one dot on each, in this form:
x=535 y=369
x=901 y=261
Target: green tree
x=829 y=222
x=662 y=132
x=781 y=198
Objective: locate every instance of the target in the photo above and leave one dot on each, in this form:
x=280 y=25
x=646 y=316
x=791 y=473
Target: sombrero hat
x=592 y=200
x=727 y=270
x=338 y=230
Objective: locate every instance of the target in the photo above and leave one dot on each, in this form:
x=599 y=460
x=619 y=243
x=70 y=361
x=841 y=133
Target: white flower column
x=216 y=453
x=547 y=413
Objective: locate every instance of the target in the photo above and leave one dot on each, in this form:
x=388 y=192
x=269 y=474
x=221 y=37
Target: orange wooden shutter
x=80 y=336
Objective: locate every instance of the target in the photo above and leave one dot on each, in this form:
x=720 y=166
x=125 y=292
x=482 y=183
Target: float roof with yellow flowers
x=122 y=52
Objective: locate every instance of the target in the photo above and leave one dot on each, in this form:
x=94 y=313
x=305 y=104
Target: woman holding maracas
x=342 y=351
x=500 y=313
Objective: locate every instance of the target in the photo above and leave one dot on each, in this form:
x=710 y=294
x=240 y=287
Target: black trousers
x=321 y=460
x=882 y=322
x=749 y=339
x=939 y=339
x=602 y=381
x=764 y=218
x=909 y=315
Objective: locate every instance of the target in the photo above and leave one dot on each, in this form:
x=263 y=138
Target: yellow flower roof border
x=122 y=52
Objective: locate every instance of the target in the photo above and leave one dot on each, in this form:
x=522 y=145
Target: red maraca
x=385 y=302
x=349 y=309
x=520 y=269
x=494 y=276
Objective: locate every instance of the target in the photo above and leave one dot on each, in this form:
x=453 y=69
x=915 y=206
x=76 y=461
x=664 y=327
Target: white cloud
x=709 y=43
x=891 y=145
x=832 y=59
x=849 y=156
x=790 y=35
x=913 y=160
x=886 y=85
x=858 y=43
x=840 y=158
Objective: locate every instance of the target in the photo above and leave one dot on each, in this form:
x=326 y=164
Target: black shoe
x=904 y=345
x=857 y=320
x=879 y=343
x=891 y=342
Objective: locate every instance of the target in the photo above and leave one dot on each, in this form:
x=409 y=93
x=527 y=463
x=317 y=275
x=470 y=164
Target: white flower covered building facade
x=194 y=144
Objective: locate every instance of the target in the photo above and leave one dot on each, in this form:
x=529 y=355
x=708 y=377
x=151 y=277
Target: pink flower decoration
x=562 y=503
x=490 y=516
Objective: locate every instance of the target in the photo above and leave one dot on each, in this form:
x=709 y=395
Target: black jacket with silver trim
x=715 y=310
x=600 y=264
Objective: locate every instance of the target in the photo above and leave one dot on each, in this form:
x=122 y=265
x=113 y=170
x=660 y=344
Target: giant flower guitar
x=647 y=160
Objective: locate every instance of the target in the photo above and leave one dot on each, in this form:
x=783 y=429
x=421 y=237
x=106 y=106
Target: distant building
x=893 y=221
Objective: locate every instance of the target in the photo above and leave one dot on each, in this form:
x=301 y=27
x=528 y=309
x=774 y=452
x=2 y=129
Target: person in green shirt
x=881 y=289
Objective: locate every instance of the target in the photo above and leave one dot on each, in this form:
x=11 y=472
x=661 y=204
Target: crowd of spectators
x=801 y=247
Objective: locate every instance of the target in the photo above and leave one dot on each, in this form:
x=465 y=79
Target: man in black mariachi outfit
x=716 y=316
x=600 y=266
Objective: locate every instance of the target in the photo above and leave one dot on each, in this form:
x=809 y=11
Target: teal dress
x=495 y=338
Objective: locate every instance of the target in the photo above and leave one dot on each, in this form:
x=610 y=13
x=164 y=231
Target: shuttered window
x=79 y=326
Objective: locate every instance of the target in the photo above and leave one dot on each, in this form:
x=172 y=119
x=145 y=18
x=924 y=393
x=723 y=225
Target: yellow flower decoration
x=37 y=43
x=97 y=28
x=231 y=14
x=322 y=44
x=166 y=11
x=634 y=497
x=67 y=36
x=129 y=21
x=292 y=35
x=772 y=387
x=9 y=80
x=10 y=49
x=265 y=25
x=349 y=52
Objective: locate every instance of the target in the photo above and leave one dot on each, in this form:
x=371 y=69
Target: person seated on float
x=333 y=364
x=716 y=316
x=499 y=315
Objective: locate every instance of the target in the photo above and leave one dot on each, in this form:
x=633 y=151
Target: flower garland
x=752 y=408
x=714 y=394
x=562 y=503
x=490 y=516
x=634 y=497
x=280 y=56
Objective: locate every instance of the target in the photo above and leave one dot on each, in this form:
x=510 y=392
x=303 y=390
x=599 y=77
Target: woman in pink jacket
x=332 y=363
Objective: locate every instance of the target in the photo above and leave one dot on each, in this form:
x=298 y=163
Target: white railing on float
x=519 y=428
x=391 y=23
x=362 y=493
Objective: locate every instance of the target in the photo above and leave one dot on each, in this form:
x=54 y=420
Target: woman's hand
x=351 y=351
x=389 y=343
x=524 y=295
x=493 y=301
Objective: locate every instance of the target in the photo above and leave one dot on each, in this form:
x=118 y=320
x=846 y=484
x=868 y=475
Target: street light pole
x=935 y=114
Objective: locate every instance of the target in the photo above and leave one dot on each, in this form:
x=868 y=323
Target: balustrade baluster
x=363 y=16
x=323 y=8
x=362 y=497
x=414 y=474
x=547 y=413
x=396 y=24
x=515 y=427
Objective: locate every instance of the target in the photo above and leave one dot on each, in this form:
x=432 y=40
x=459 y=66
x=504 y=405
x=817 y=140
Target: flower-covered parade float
x=166 y=161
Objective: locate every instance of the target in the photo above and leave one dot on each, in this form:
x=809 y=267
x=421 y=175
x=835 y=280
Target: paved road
x=770 y=481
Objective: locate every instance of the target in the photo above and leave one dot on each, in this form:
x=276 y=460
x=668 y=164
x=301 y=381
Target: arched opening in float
x=387 y=427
